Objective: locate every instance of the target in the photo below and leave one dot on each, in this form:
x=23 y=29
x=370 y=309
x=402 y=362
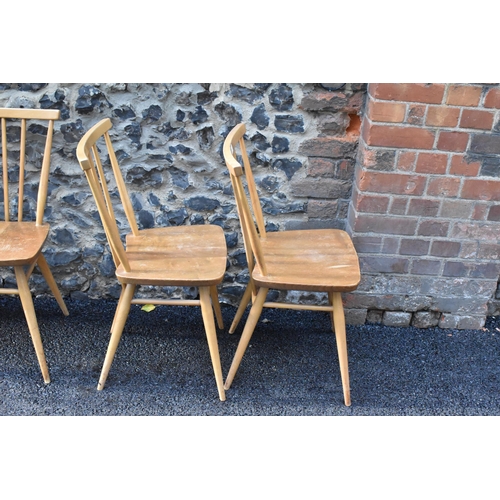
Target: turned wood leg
x=340 y=335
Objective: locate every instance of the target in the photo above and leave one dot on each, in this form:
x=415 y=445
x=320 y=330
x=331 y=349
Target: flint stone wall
x=303 y=141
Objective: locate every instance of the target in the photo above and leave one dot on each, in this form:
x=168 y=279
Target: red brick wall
x=425 y=208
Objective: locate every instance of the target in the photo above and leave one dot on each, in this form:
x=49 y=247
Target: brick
x=455 y=268
x=375 y=316
x=456 y=209
x=490 y=167
x=397 y=318
x=367 y=244
x=494 y=213
x=468 y=250
x=406 y=161
x=380 y=264
x=426 y=267
x=322 y=209
x=488 y=270
x=327 y=147
x=444 y=187
x=416 y=115
x=316 y=187
x=320 y=167
x=386 y=112
x=425 y=319
x=492 y=98
x=384 y=225
x=485 y=231
x=371 y=204
x=485 y=144
x=475 y=118
x=442 y=116
x=355 y=316
x=461 y=165
x=398 y=137
x=414 y=247
x=460 y=322
x=390 y=246
x=398 y=206
x=452 y=141
x=431 y=163
x=445 y=249
x=395 y=183
x=423 y=207
x=379 y=159
x=479 y=212
x=478 y=189
x=333 y=101
x=464 y=95
x=433 y=227
x=490 y=251
x=412 y=92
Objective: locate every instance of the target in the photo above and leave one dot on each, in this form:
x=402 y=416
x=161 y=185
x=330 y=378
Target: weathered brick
x=316 y=187
x=492 y=98
x=379 y=159
x=463 y=95
x=406 y=161
x=412 y=92
x=385 y=225
x=489 y=270
x=486 y=231
x=456 y=209
x=367 y=244
x=397 y=137
x=479 y=211
x=461 y=165
x=490 y=251
x=333 y=101
x=382 y=264
x=328 y=147
x=455 y=268
x=398 y=206
x=444 y=187
x=320 y=167
x=485 y=144
x=355 y=316
x=386 y=111
x=414 y=247
x=423 y=207
x=445 y=248
x=478 y=189
x=390 y=246
x=442 y=116
x=395 y=183
x=426 y=267
x=452 y=141
x=322 y=209
x=431 y=163
x=432 y=227
x=468 y=250
x=475 y=118
x=375 y=316
x=371 y=204
x=425 y=319
x=396 y=318
x=416 y=115
x=494 y=213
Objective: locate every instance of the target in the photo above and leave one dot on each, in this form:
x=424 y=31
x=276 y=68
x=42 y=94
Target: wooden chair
x=318 y=260
x=21 y=237
x=165 y=256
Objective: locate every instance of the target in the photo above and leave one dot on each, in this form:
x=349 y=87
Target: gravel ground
x=162 y=366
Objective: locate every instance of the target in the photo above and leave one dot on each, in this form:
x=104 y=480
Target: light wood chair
x=318 y=260
x=163 y=256
x=22 y=238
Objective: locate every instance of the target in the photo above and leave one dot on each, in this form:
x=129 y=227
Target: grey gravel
x=162 y=366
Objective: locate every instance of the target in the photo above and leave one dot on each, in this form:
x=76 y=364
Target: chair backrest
x=20 y=156
x=93 y=147
x=248 y=206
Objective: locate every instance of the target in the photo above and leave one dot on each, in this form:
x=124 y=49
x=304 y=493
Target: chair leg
x=330 y=302
x=253 y=317
x=29 y=312
x=216 y=306
x=119 y=320
x=339 y=318
x=245 y=300
x=47 y=274
x=208 y=321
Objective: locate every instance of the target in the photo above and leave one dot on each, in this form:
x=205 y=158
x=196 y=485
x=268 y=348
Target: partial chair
x=317 y=260
x=26 y=148
x=187 y=256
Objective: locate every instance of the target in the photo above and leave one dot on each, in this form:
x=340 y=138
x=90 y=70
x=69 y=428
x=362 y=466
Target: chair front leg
x=29 y=312
x=340 y=335
x=216 y=306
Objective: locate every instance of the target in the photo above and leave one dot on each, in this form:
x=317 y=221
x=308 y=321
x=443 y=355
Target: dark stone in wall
x=72 y=132
x=289 y=123
x=178 y=134
x=281 y=98
x=47 y=103
x=260 y=141
x=260 y=117
x=176 y=217
x=270 y=183
x=199 y=116
x=490 y=167
x=145 y=219
x=152 y=114
x=229 y=114
x=124 y=113
x=203 y=98
x=205 y=137
x=287 y=165
x=202 y=203
x=31 y=87
x=247 y=95
x=280 y=144
x=179 y=177
x=273 y=206
x=90 y=98
x=134 y=131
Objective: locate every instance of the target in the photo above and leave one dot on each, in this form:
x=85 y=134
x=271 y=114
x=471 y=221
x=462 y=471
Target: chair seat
x=173 y=256
x=315 y=260
x=21 y=242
